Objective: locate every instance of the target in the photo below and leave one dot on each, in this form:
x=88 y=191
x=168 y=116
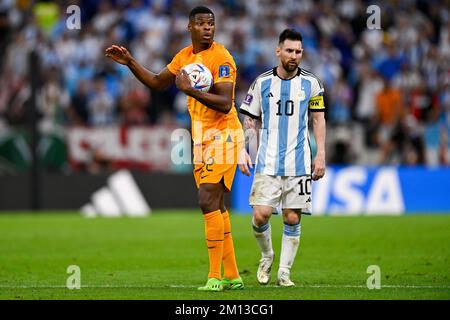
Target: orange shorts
x=217 y=164
x=214 y=173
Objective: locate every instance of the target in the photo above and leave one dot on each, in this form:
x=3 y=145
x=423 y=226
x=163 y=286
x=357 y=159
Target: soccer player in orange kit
x=216 y=132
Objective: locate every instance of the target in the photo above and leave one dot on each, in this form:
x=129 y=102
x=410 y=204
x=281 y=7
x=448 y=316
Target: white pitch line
x=342 y=286
x=190 y=286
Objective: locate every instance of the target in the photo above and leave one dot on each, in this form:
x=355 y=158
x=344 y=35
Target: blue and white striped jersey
x=283 y=106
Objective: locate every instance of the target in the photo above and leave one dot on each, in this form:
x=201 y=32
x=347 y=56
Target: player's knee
x=292 y=218
x=260 y=217
x=206 y=204
x=259 y=220
x=208 y=201
x=291 y=221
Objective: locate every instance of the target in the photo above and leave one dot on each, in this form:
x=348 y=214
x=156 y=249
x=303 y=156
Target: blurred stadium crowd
x=387 y=90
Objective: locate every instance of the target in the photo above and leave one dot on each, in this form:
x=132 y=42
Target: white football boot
x=265 y=265
x=284 y=278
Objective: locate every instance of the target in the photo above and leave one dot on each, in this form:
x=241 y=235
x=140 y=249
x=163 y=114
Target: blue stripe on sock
x=291 y=230
x=262 y=228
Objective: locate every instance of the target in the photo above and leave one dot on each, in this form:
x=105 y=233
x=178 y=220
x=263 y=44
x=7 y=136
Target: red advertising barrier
x=147 y=148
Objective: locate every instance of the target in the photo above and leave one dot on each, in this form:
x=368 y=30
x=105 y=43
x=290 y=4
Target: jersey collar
x=275 y=73
x=203 y=51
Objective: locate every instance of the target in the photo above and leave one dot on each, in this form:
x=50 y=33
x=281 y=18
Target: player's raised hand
x=318 y=167
x=118 y=54
x=245 y=162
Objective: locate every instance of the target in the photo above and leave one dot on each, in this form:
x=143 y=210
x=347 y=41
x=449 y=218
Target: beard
x=289 y=67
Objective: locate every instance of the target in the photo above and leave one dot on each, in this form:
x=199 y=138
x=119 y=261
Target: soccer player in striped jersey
x=278 y=101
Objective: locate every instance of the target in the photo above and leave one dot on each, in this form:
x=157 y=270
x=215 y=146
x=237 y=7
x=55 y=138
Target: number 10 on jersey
x=288 y=108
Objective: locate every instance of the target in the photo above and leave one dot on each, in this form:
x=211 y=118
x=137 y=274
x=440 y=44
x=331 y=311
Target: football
x=201 y=77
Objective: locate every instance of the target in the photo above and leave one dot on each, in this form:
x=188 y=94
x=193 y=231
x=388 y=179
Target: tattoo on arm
x=251 y=127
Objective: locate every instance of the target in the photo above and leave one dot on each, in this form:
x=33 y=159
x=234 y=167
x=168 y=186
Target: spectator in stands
x=53 y=101
x=411 y=51
x=78 y=112
x=101 y=105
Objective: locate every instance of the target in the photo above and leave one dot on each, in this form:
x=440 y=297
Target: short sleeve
x=175 y=65
x=251 y=106
x=316 y=102
x=224 y=69
x=317 y=88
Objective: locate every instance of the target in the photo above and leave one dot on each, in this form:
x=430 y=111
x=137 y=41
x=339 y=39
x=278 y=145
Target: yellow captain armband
x=316 y=103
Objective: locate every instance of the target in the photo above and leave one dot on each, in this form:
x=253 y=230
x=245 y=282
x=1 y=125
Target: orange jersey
x=218 y=137
x=223 y=68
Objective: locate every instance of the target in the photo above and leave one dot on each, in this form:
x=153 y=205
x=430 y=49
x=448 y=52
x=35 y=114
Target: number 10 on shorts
x=305 y=186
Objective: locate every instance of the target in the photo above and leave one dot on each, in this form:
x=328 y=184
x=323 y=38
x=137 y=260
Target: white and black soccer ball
x=201 y=77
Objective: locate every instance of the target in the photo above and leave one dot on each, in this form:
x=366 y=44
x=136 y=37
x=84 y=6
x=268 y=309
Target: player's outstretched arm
x=154 y=81
x=319 y=128
x=221 y=100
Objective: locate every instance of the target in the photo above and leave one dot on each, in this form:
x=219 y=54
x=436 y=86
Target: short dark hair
x=290 y=34
x=199 y=9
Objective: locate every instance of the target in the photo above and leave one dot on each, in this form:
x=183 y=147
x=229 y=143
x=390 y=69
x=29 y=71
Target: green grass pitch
x=164 y=256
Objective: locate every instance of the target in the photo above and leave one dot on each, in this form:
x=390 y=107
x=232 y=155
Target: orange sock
x=229 y=259
x=214 y=241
